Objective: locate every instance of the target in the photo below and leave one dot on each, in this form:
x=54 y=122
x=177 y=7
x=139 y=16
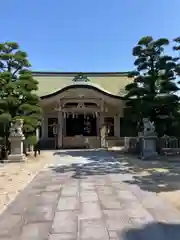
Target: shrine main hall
x=82 y=110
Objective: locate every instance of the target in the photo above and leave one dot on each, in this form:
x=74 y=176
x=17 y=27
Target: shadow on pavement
x=155 y=176
x=92 y=162
x=162 y=175
x=153 y=231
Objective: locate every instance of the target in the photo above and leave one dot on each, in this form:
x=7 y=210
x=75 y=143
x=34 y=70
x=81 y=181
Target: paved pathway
x=83 y=195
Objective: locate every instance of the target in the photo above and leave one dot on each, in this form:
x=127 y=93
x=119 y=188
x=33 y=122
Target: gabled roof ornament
x=80 y=78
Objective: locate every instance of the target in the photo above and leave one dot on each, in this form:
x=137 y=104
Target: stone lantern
x=16 y=137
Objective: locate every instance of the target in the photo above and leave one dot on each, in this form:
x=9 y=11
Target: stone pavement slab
x=14 y=177
x=89 y=200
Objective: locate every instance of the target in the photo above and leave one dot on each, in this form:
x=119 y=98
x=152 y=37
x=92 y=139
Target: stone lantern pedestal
x=148 y=147
x=16 y=138
x=16 y=150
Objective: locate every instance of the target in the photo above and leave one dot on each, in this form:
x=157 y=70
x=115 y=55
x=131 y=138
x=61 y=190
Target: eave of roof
x=49 y=73
x=79 y=85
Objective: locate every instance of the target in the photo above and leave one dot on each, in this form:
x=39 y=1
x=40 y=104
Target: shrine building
x=82 y=109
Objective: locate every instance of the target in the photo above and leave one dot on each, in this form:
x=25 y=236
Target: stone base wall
x=81 y=142
x=115 y=142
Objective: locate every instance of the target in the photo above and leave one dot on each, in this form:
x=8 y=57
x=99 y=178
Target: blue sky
x=86 y=35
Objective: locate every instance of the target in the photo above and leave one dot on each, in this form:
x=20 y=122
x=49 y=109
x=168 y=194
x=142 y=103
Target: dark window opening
x=70 y=105
x=90 y=105
x=81 y=125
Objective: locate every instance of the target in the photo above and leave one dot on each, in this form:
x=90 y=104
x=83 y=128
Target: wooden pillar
x=98 y=124
x=43 y=126
x=117 y=125
x=102 y=126
x=102 y=131
x=60 y=126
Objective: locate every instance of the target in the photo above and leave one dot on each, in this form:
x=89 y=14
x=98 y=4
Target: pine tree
x=17 y=95
x=153 y=91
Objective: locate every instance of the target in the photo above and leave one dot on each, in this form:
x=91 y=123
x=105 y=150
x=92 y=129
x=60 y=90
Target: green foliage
x=17 y=97
x=31 y=140
x=153 y=92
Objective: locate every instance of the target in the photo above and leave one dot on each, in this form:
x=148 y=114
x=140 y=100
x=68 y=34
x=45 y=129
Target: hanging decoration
x=87 y=125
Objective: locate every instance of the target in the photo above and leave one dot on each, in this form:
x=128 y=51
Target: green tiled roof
x=113 y=83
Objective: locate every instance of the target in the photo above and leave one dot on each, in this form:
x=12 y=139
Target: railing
x=165 y=145
x=168 y=145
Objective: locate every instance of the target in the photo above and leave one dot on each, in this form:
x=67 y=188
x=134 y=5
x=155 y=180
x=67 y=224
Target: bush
x=31 y=140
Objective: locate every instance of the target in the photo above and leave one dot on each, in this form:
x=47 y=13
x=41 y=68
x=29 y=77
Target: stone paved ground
x=161 y=176
x=85 y=195
x=15 y=176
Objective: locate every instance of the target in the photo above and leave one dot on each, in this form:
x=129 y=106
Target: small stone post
x=16 y=138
